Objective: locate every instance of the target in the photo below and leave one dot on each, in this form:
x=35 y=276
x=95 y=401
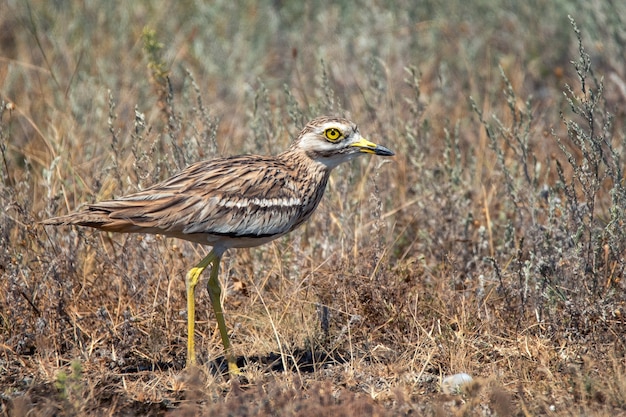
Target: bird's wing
x=251 y=196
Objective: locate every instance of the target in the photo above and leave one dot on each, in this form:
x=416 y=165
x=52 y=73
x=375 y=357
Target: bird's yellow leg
x=214 y=294
x=192 y=280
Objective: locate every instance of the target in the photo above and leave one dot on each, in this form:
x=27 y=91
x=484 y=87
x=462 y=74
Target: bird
x=232 y=202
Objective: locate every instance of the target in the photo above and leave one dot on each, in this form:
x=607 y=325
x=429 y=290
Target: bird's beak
x=366 y=146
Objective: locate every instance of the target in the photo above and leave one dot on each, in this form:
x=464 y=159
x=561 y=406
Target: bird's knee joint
x=192 y=276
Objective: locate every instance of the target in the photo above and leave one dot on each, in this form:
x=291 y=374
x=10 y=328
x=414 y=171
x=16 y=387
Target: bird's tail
x=91 y=217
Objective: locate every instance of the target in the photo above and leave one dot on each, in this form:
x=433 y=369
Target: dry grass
x=492 y=244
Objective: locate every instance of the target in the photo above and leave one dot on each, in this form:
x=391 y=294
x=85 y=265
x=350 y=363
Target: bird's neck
x=310 y=172
x=303 y=163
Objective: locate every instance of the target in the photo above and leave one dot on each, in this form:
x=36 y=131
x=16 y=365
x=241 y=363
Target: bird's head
x=333 y=140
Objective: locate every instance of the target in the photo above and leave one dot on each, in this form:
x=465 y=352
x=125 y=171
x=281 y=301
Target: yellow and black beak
x=366 y=146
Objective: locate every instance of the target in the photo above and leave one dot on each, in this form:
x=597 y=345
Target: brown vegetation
x=492 y=244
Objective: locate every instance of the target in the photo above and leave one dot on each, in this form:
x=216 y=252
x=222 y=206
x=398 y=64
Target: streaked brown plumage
x=233 y=202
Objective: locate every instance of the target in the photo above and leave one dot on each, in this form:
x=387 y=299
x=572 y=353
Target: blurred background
x=492 y=243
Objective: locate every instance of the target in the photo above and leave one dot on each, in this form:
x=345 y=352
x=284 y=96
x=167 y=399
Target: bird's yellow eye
x=332 y=134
